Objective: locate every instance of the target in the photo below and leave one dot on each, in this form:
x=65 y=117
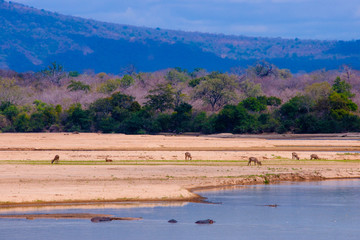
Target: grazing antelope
x=255 y=160
x=188 y=156
x=295 y=156
x=56 y=159
x=108 y=159
x=314 y=156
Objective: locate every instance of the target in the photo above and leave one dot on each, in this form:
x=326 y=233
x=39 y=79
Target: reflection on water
x=98 y=206
x=310 y=210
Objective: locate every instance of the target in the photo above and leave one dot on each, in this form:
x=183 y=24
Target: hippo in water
x=207 y=221
x=101 y=219
x=172 y=221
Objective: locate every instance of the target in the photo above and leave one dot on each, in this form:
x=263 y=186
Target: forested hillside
x=261 y=98
x=31 y=38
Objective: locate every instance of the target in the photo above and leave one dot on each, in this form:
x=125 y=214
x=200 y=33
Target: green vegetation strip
x=175 y=162
x=120 y=162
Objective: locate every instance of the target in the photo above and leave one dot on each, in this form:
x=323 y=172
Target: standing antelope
x=188 y=156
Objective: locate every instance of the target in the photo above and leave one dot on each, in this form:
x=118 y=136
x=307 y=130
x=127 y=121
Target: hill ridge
x=30 y=38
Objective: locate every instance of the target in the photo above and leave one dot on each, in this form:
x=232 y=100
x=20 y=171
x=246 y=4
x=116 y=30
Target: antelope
x=56 y=159
x=188 y=156
x=255 y=160
x=295 y=156
x=314 y=156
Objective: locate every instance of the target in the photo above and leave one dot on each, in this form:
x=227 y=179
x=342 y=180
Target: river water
x=307 y=210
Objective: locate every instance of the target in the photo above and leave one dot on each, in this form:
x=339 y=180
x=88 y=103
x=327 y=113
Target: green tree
x=9 y=110
x=77 y=119
x=203 y=123
x=127 y=81
x=295 y=107
x=177 y=75
x=101 y=106
x=109 y=86
x=164 y=121
x=78 y=86
x=342 y=87
x=106 y=124
x=54 y=72
x=217 y=90
x=236 y=119
x=44 y=116
x=22 y=123
x=74 y=74
x=123 y=101
x=341 y=105
x=181 y=118
x=10 y=91
x=318 y=91
x=179 y=97
x=196 y=81
x=262 y=69
x=250 y=89
x=140 y=122
x=292 y=111
x=108 y=113
x=5 y=124
x=273 y=101
x=268 y=122
x=161 y=98
x=254 y=104
x=283 y=73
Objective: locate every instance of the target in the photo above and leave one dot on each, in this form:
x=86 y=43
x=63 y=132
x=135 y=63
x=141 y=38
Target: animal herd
x=188 y=156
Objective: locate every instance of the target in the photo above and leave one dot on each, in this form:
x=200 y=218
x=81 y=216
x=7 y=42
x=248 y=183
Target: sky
x=305 y=19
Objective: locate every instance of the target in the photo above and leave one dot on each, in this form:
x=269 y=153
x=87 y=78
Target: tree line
x=320 y=108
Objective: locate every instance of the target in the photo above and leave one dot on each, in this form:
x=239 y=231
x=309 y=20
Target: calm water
x=314 y=210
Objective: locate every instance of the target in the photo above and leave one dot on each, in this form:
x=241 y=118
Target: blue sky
x=306 y=19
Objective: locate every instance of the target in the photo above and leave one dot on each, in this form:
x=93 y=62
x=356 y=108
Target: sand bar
x=152 y=168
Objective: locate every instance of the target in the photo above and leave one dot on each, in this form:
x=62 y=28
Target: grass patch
x=229 y=176
x=266 y=180
x=351 y=154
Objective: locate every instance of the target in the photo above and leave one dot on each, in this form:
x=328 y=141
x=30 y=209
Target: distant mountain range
x=31 y=38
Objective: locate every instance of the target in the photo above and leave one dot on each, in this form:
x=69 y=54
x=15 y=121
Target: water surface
x=308 y=210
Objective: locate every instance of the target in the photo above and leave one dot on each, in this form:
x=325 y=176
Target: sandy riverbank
x=153 y=167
